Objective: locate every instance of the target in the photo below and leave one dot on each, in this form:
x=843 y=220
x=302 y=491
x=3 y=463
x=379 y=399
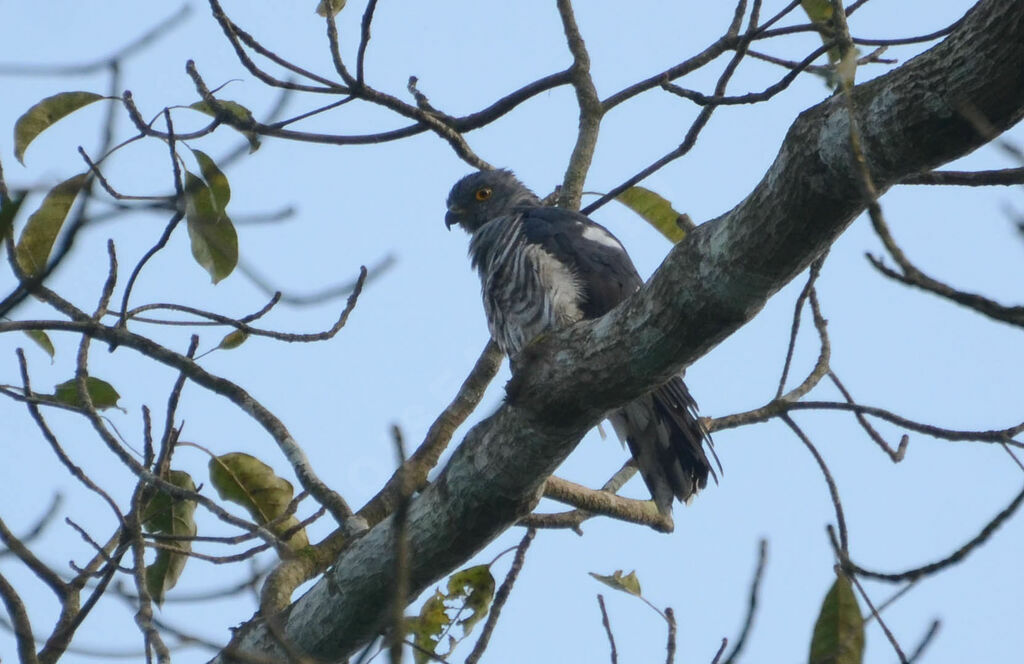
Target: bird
x=543 y=268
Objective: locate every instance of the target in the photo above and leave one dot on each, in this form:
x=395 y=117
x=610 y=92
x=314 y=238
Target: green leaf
x=101 y=392
x=215 y=178
x=626 y=583
x=233 y=340
x=330 y=6
x=43 y=340
x=469 y=591
x=245 y=480
x=44 y=225
x=476 y=586
x=8 y=211
x=213 y=236
x=426 y=628
x=656 y=211
x=166 y=515
x=235 y=112
x=839 y=632
x=40 y=117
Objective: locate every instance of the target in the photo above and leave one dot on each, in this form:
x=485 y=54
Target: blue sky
x=418 y=329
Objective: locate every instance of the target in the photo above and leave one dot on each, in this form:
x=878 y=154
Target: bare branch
x=926 y=640
x=670 y=618
x=41 y=570
x=954 y=558
x=748 y=621
x=643 y=512
x=501 y=597
x=844 y=540
x=41 y=523
x=144 y=615
x=124 y=52
x=608 y=628
x=1004 y=176
x=591 y=111
x=21 y=623
x=885 y=628
x=438 y=436
x=897 y=454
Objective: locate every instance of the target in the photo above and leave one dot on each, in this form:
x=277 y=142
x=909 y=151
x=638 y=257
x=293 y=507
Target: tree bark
x=912 y=119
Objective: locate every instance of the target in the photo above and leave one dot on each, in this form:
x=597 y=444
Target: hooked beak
x=451 y=218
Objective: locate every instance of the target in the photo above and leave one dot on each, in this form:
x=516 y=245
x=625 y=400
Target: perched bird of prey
x=544 y=268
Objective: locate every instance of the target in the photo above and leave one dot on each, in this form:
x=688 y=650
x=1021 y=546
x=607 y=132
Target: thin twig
x=438 y=436
x=364 y=40
x=721 y=649
x=895 y=454
x=22 y=626
x=670 y=645
x=813 y=273
x=75 y=470
x=926 y=640
x=322 y=295
x=501 y=597
x=957 y=556
x=41 y=570
x=121 y=54
x=608 y=628
x=144 y=613
x=748 y=621
x=1004 y=176
x=179 y=214
x=881 y=623
x=832 y=489
x=776 y=408
x=41 y=523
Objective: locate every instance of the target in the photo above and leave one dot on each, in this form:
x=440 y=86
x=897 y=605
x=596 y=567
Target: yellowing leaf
x=234 y=112
x=469 y=591
x=626 y=583
x=245 y=480
x=166 y=515
x=656 y=211
x=43 y=340
x=426 y=628
x=839 y=632
x=476 y=585
x=102 y=393
x=213 y=236
x=330 y=6
x=41 y=116
x=44 y=225
x=233 y=340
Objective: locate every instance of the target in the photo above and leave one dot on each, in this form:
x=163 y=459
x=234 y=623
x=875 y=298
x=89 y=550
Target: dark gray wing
x=662 y=429
x=605 y=273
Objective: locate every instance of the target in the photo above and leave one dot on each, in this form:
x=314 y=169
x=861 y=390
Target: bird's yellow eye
x=483 y=193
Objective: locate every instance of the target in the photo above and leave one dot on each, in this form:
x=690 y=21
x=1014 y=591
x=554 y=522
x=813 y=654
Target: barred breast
x=526 y=291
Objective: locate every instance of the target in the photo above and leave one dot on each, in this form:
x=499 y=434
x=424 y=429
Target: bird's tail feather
x=667 y=440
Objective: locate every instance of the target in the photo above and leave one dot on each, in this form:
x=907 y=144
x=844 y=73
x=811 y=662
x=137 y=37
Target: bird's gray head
x=485 y=195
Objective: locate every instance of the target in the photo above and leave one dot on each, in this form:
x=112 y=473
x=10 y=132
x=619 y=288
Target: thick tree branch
x=710 y=284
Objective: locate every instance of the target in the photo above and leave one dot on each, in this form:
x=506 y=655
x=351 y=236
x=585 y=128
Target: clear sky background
x=418 y=328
